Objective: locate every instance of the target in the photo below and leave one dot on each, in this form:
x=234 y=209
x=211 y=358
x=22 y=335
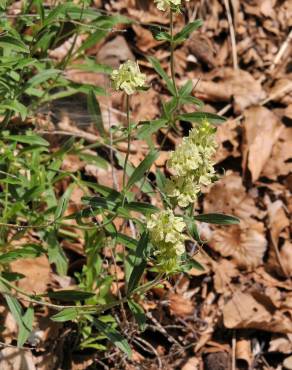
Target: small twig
x=232 y=34
x=281 y=51
x=152 y=349
x=233 y=350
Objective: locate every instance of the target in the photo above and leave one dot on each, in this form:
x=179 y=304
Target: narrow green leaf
x=63 y=203
x=147 y=128
x=158 y=68
x=26 y=327
x=94 y=110
x=187 y=30
x=70 y=295
x=27 y=251
x=138 y=313
x=113 y=336
x=28 y=139
x=218 y=219
x=142 y=168
x=67 y=314
x=9 y=42
x=202 y=116
x=139 y=263
x=144 y=208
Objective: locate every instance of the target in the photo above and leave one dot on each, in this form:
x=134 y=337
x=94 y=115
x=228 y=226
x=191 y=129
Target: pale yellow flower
x=166 y=235
x=164 y=5
x=192 y=164
x=128 y=77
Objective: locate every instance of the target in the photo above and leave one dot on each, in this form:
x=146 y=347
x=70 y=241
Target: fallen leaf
x=37 y=274
x=261 y=131
x=243 y=311
x=15 y=358
x=180 y=306
x=231 y=84
x=279 y=163
x=193 y=363
x=245 y=244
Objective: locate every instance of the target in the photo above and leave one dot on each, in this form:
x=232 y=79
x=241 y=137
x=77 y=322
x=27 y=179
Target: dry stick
x=152 y=349
x=233 y=350
x=232 y=34
x=281 y=51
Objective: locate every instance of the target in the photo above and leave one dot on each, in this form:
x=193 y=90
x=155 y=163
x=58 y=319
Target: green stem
x=172 y=53
x=129 y=140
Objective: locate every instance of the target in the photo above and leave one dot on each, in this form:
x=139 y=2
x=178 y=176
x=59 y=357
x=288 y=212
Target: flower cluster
x=192 y=164
x=168 y=4
x=128 y=77
x=166 y=235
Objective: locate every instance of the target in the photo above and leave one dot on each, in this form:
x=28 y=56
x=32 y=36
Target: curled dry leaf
x=231 y=84
x=244 y=311
x=245 y=244
x=261 y=131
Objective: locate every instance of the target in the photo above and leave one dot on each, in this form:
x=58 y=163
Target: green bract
x=128 y=77
x=166 y=235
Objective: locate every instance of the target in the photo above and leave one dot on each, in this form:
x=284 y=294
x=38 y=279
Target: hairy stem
x=172 y=53
x=129 y=140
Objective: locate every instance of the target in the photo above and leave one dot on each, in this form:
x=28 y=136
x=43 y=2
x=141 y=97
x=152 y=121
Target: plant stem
x=129 y=139
x=172 y=53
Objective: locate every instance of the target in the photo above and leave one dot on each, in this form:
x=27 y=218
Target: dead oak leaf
x=245 y=244
x=180 y=305
x=244 y=311
x=279 y=163
x=228 y=195
x=231 y=84
x=261 y=131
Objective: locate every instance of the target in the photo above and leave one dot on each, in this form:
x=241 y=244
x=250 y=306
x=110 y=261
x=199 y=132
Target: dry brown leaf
x=15 y=358
x=180 y=305
x=193 y=363
x=288 y=363
x=278 y=221
x=243 y=311
x=261 y=131
x=37 y=274
x=233 y=84
x=286 y=257
x=279 y=163
x=281 y=344
x=224 y=271
x=245 y=244
x=227 y=140
x=142 y=111
x=115 y=52
x=228 y=195
x=144 y=38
